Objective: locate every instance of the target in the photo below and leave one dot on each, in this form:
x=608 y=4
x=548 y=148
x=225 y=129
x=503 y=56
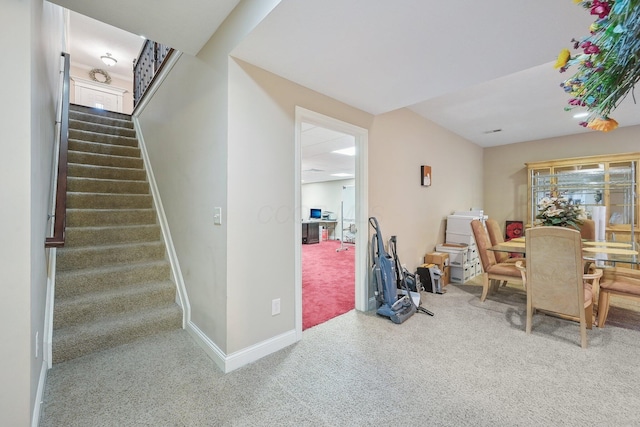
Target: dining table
x=601 y=252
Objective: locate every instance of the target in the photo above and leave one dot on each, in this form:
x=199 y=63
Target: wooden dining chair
x=555 y=277
x=588 y=229
x=494 y=272
x=495 y=235
x=619 y=281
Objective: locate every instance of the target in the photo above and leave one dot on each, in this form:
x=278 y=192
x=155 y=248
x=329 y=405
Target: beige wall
x=505 y=173
x=399 y=143
x=261 y=207
x=185 y=127
x=25 y=166
x=201 y=137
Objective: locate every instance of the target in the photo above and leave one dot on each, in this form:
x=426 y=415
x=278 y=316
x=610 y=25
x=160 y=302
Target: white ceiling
x=185 y=25
x=471 y=67
x=319 y=162
x=89 y=39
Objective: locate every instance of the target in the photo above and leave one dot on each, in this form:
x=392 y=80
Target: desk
x=311 y=230
x=330 y=225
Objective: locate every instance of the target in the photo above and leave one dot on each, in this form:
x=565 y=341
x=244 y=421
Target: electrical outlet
x=275 y=306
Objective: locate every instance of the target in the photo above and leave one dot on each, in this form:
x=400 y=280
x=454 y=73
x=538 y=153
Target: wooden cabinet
x=609 y=181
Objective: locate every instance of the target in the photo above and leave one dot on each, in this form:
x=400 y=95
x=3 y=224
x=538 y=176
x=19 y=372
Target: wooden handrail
x=147 y=66
x=57 y=240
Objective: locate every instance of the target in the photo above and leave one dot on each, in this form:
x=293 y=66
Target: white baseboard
x=238 y=359
x=182 y=297
x=212 y=350
x=37 y=406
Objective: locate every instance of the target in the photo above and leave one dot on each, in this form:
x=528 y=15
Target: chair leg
x=485 y=286
x=588 y=316
x=529 y=314
x=494 y=286
x=603 y=307
x=583 y=334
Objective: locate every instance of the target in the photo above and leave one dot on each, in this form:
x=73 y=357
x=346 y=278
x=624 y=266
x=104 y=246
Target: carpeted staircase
x=113 y=281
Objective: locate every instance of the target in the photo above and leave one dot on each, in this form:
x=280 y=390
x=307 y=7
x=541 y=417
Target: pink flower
x=600 y=8
x=574 y=101
x=590 y=48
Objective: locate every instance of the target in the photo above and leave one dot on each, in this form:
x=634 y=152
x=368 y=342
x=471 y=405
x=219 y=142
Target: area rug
x=328 y=281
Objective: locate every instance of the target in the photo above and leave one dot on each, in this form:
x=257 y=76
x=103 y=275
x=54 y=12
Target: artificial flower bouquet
x=560 y=212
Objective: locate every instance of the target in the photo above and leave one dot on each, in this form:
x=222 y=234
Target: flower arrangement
x=609 y=64
x=560 y=212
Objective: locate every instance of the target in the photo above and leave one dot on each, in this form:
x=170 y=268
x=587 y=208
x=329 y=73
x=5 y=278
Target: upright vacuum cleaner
x=406 y=281
x=384 y=273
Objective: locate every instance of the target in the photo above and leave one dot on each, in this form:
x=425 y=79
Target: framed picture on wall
x=513 y=229
x=425 y=176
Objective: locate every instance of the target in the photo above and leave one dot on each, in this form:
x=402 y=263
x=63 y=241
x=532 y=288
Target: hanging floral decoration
x=608 y=65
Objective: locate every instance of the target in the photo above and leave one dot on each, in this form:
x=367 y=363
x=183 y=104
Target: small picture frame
x=425 y=176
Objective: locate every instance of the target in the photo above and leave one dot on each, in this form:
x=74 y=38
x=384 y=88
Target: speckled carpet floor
x=470 y=365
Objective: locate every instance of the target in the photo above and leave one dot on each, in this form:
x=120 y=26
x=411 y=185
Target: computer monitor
x=315 y=213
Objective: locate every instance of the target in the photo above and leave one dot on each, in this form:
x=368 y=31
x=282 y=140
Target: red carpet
x=328 y=282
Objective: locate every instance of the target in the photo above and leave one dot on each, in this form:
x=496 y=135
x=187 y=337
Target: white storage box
x=459 y=274
x=466 y=239
x=460 y=224
x=472 y=253
x=457 y=253
x=478 y=268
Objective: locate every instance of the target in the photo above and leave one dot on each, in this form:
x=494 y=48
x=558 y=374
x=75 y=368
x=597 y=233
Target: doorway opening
x=331 y=198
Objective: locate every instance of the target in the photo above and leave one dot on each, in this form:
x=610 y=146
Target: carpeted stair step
x=105 y=255
x=81 y=157
x=106 y=172
x=95 y=306
x=98 y=148
x=113 y=281
x=120 y=186
x=77 y=282
x=93 y=236
x=102 y=120
x=83 y=135
x=100 y=128
x=108 y=201
x=109 y=217
x=98 y=112
x=76 y=341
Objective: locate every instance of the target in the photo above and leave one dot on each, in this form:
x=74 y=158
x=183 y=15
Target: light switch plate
x=217 y=216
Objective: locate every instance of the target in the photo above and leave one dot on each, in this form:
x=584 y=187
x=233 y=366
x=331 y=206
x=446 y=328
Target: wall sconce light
x=109 y=60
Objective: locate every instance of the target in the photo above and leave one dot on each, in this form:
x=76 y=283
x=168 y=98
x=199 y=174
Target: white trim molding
x=176 y=272
x=157 y=82
x=361 y=136
x=37 y=406
x=238 y=359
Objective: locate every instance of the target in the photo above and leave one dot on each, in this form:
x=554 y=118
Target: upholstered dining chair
x=494 y=272
x=588 y=229
x=495 y=235
x=555 y=278
x=619 y=281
